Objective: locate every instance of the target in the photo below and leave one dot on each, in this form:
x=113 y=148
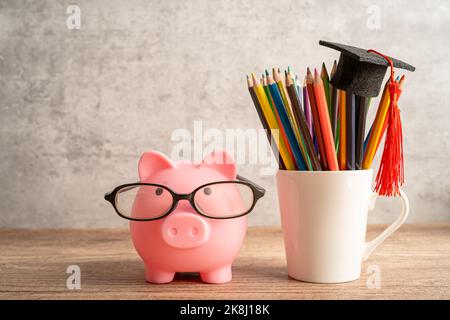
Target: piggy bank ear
x=222 y=162
x=151 y=162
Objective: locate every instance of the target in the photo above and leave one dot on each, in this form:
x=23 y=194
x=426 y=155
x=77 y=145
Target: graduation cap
x=359 y=71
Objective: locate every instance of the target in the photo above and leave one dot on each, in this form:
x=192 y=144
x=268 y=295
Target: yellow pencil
x=272 y=122
x=377 y=127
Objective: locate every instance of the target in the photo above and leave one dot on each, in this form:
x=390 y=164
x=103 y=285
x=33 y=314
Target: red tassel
x=391 y=175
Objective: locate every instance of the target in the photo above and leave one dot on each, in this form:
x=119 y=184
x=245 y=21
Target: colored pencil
x=277 y=117
x=316 y=121
x=266 y=90
x=325 y=124
x=326 y=86
x=377 y=127
x=383 y=131
x=265 y=124
x=334 y=105
x=401 y=82
x=295 y=124
x=350 y=130
x=307 y=109
x=362 y=107
x=343 y=129
x=367 y=139
x=294 y=79
x=308 y=114
x=299 y=88
x=272 y=122
x=289 y=116
x=287 y=106
x=301 y=121
x=281 y=134
x=285 y=123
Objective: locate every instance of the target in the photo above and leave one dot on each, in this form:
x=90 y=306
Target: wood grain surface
x=414 y=264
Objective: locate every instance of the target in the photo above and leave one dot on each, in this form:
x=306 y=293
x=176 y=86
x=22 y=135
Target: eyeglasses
x=215 y=200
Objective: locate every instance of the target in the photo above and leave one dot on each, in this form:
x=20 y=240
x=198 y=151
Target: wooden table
x=414 y=264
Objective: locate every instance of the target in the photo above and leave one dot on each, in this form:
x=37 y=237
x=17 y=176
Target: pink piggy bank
x=187 y=217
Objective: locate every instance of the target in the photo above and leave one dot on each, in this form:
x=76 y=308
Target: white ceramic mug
x=324 y=219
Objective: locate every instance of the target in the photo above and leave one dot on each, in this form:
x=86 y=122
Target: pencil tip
x=308 y=71
x=401 y=82
x=255 y=80
x=333 y=69
x=324 y=72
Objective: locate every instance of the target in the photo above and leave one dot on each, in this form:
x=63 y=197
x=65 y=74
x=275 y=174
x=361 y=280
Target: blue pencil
x=278 y=101
x=367 y=138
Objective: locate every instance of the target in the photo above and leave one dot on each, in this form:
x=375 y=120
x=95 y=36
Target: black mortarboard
x=359 y=71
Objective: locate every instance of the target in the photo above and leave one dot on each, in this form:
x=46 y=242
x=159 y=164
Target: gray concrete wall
x=78 y=107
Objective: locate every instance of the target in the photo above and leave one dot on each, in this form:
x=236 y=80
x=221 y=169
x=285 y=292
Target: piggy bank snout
x=185 y=230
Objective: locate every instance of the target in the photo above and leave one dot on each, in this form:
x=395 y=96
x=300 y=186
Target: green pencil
x=326 y=86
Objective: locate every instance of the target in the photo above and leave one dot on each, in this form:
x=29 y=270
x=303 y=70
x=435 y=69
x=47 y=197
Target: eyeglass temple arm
x=258 y=187
x=108 y=195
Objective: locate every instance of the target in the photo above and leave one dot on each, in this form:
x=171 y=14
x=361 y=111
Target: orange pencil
x=315 y=116
x=343 y=131
x=325 y=124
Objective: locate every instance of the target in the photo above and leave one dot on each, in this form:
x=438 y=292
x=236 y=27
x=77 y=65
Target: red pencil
x=325 y=124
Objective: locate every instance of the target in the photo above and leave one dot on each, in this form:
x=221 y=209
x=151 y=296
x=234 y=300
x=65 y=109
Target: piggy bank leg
x=220 y=275
x=158 y=276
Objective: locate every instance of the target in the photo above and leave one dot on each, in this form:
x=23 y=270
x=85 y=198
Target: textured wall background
x=78 y=107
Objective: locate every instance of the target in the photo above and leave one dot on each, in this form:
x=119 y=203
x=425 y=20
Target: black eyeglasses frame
x=258 y=192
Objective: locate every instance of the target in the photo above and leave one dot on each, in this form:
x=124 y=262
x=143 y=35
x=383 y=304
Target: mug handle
x=370 y=246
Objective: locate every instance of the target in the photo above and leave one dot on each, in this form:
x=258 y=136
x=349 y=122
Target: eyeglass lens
x=219 y=200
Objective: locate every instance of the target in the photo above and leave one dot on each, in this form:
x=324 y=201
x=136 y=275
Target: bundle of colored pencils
x=312 y=125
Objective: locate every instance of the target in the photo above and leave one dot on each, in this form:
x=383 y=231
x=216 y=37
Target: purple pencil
x=307 y=109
